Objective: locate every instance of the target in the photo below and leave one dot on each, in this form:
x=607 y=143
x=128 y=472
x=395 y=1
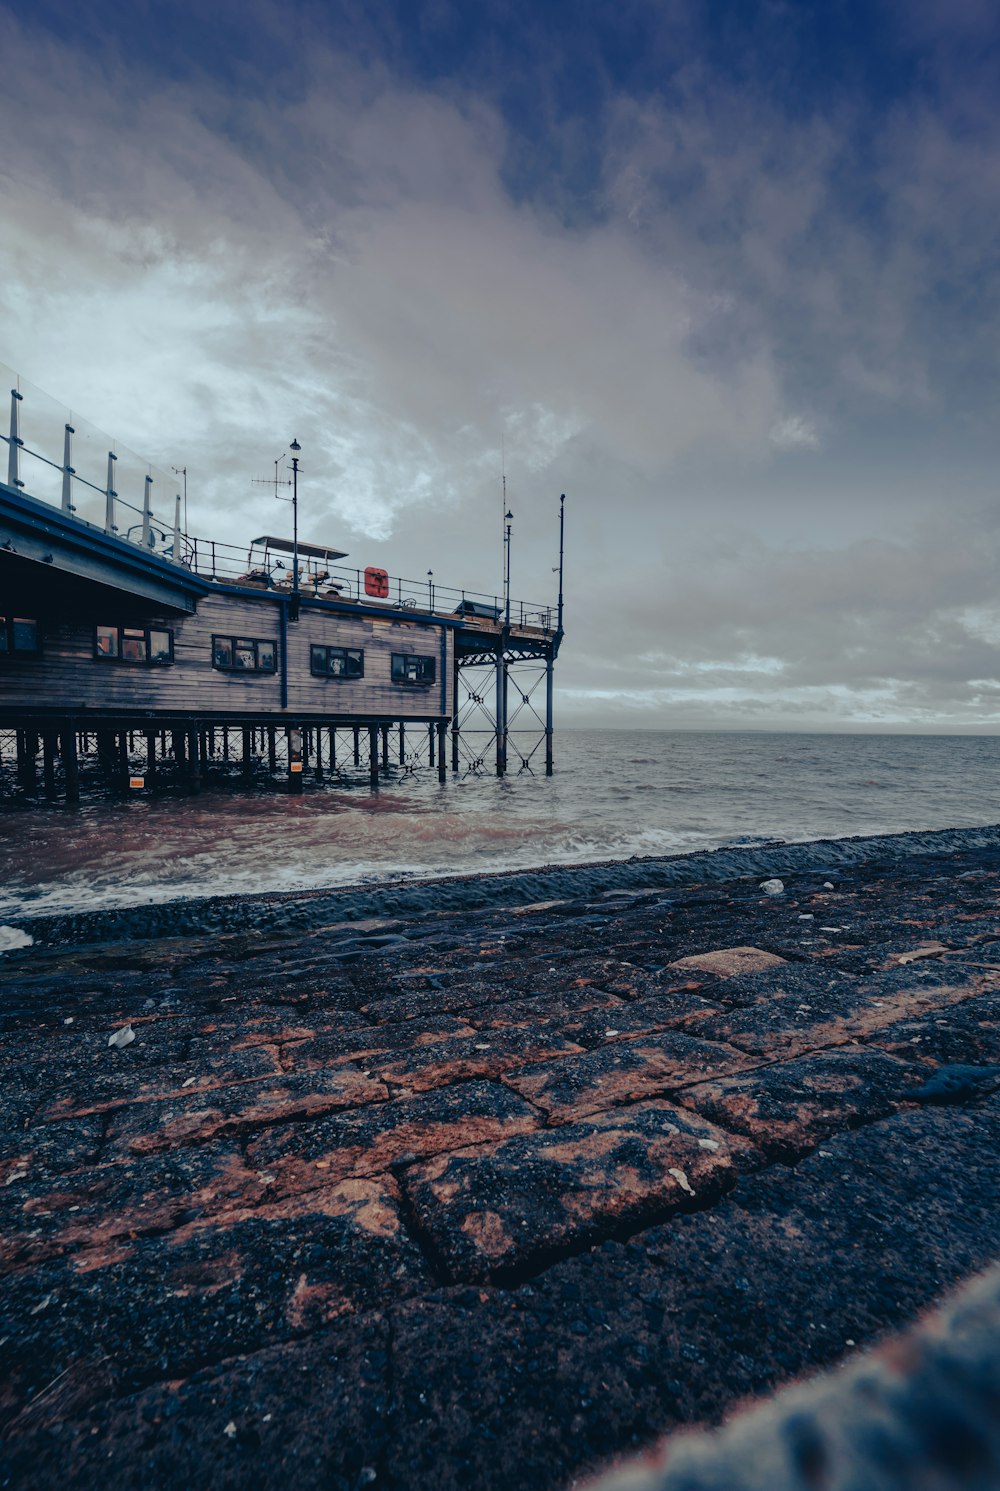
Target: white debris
x=609 y=1033
x=805 y=916
x=189 y=1082
x=123 y=1037
x=68 y=1020
x=772 y=887
x=230 y=1430
x=708 y=1143
x=681 y=1180
x=11 y=937
x=15 y=1175
x=828 y=885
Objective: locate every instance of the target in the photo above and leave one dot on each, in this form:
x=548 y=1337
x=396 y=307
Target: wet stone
x=621 y=1072
x=275 y=1274
x=31 y=1154
x=728 y=962
x=103 y=1091
x=509 y=1208
x=373 y=1040
x=146 y=1128
x=481 y=1055
x=369 y=1140
x=788 y=1108
x=967 y=1032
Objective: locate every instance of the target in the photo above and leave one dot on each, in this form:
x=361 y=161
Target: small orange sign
x=137 y=781
x=295 y=766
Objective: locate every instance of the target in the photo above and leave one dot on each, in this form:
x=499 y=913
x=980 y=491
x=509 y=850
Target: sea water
x=615 y=794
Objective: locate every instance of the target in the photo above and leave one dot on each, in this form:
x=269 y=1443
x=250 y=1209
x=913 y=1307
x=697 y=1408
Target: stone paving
x=485 y=1196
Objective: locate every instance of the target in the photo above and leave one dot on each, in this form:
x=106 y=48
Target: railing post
x=177 y=529
x=68 y=471
x=14 y=449
x=146 y=513
x=111 y=494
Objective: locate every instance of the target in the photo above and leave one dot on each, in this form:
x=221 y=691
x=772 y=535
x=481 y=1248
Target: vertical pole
x=225 y=742
x=49 y=745
x=501 y=722
x=333 y=748
x=357 y=746
x=319 y=753
x=247 y=750
x=110 y=495
x=455 y=727
x=123 y=771
x=442 y=730
x=175 y=552
x=147 y=514
x=150 y=758
x=25 y=759
x=178 y=741
x=293 y=739
x=548 y=713
x=385 y=747
x=402 y=743
x=70 y=764
x=14 y=448
x=68 y=472
x=272 y=750
x=373 y=756
x=430 y=745
x=194 y=759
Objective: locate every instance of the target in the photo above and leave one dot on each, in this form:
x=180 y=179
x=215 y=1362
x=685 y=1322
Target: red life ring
x=377 y=582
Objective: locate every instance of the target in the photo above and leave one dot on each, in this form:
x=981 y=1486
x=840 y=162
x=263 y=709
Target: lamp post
x=430 y=590
x=508 y=519
x=295 y=447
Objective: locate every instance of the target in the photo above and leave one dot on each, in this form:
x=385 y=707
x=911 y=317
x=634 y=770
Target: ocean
x=615 y=794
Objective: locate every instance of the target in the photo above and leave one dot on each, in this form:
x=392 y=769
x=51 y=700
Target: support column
x=549 y=669
x=373 y=756
x=430 y=745
x=178 y=741
x=272 y=750
x=455 y=727
x=333 y=748
x=150 y=758
x=70 y=763
x=194 y=759
x=319 y=753
x=357 y=745
x=27 y=747
x=49 y=747
x=293 y=738
x=15 y=443
x=247 y=751
x=402 y=744
x=442 y=733
x=501 y=715
x=385 y=747
x=122 y=761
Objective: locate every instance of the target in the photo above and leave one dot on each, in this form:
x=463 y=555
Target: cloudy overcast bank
x=725 y=274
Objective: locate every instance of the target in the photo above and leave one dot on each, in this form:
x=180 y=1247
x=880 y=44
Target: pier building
x=147 y=655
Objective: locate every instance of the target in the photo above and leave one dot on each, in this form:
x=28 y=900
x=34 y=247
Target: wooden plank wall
x=69 y=678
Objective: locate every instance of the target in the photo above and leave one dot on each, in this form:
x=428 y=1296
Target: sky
x=724 y=273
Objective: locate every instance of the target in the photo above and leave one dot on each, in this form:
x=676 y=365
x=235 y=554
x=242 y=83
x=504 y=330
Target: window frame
x=235 y=644
x=134 y=633
x=422 y=662
x=346 y=653
x=8 y=650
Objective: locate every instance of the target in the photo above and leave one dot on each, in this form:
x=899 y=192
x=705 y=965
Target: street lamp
x=430 y=590
x=508 y=519
x=295 y=447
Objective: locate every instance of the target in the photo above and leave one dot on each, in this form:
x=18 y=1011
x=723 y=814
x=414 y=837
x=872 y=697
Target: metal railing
x=257 y=569
x=89 y=484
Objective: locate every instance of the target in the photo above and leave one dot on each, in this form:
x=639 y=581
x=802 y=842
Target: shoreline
x=461 y=892
x=498 y=1185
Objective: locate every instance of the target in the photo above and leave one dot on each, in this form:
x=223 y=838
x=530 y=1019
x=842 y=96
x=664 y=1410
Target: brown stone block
x=369 y=1140
x=489 y=1212
x=566 y=1011
x=373 y=1040
x=788 y=1108
x=801 y=1018
x=116 y=1088
x=621 y=1072
x=486 y=1054
x=149 y=1128
x=729 y=962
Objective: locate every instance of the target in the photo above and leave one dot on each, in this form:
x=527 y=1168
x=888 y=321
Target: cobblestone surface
x=486 y=1193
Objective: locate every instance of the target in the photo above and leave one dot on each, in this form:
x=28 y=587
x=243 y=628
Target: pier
x=135 y=657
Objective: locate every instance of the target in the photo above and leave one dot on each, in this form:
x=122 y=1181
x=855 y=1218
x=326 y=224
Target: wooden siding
x=68 y=678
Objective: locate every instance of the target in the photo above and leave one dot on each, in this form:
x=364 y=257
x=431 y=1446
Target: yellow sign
x=295 y=766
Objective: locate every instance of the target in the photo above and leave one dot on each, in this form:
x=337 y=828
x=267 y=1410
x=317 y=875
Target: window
x=409 y=669
x=134 y=644
x=18 y=636
x=337 y=662
x=244 y=655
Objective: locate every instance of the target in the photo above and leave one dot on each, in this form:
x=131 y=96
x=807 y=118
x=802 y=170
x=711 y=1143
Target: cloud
x=794 y=432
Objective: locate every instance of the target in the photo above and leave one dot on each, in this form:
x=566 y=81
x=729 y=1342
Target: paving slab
x=507 y=1209
x=622 y=1071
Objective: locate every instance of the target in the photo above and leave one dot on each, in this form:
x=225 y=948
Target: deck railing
x=94 y=473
